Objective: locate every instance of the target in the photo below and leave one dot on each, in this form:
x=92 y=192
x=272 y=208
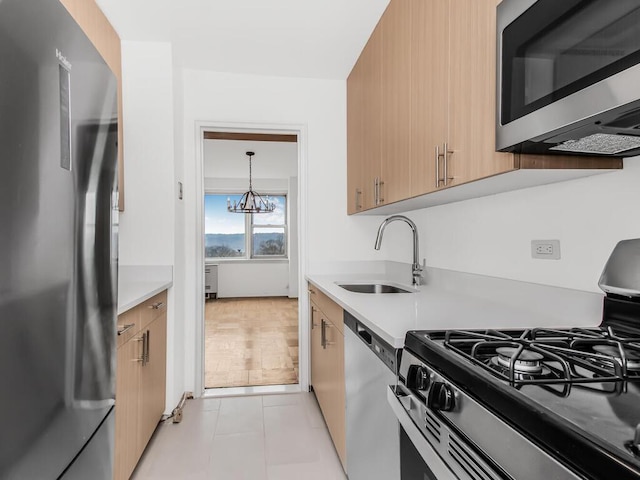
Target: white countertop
x=139 y=283
x=456 y=300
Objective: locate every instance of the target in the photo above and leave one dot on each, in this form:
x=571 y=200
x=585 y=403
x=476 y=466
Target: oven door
x=413 y=466
x=418 y=460
x=560 y=62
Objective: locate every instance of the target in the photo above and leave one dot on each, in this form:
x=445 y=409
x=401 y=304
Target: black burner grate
x=568 y=357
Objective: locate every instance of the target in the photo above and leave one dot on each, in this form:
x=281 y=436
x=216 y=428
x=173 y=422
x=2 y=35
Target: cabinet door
x=371 y=59
x=472 y=105
x=429 y=90
x=153 y=380
x=153 y=308
x=127 y=382
x=336 y=402
x=396 y=101
x=318 y=372
x=355 y=139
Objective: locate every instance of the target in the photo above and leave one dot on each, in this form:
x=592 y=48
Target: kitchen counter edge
x=459 y=300
x=139 y=283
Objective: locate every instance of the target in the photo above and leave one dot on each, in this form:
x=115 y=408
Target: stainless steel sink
x=373 y=288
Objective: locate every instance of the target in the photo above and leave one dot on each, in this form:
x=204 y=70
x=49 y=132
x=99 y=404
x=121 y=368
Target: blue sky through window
x=217 y=219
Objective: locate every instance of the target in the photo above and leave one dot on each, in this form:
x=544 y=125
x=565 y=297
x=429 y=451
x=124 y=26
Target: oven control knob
x=418 y=377
x=441 y=397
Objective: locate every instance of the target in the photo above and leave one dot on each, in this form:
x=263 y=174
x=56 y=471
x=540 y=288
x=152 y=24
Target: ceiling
x=294 y=38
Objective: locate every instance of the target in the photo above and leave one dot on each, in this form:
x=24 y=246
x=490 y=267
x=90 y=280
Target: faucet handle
x=417 y=272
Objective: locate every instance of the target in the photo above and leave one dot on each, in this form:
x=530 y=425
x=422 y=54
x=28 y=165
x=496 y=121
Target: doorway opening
x=251 y=311
x=251 y=342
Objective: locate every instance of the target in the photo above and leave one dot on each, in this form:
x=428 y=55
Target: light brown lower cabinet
x=140 y=380
x=327 y=366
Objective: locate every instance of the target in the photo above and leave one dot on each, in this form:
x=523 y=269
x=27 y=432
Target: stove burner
x=548 y=357
x=633 y=357
x=526 y=362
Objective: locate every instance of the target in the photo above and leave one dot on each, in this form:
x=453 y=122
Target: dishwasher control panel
x=386 y=353
x=383 y=350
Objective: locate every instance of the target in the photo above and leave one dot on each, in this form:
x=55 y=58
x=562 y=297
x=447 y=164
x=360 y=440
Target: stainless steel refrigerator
x=58 y=247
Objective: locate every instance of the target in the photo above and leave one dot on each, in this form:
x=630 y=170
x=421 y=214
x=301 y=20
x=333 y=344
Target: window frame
x=284 y=226
x=248 y=231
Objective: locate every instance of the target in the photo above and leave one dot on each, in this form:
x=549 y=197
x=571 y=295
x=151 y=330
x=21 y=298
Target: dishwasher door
x=373 y=437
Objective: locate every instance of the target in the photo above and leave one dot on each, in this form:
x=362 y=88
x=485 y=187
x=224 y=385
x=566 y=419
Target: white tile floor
x=270 y=437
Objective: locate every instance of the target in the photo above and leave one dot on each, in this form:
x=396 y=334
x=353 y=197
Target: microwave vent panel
x=600 y=143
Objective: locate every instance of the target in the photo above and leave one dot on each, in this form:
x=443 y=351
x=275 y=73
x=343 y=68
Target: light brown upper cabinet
x=429 y=91
x=355 y=138
x=371 y=112
x=395 y=175
x=95 y=25
x=470 y=138
x=377 y=141
x=421 y=113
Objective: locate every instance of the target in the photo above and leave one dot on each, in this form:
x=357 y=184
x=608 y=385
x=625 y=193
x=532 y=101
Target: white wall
x=292 y=220
x=146 y=234
x=175 y=336
x=317 y=105
x=253 y=279
x=492 y=235
x=228 y=159
x=147 y=224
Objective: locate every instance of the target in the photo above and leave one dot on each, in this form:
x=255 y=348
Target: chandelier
x=251 y=202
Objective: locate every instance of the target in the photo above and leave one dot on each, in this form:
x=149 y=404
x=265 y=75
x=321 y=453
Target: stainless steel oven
x=567 y=77
x=527 y=404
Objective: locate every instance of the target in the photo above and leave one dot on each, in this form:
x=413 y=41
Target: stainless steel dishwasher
x=373 y=439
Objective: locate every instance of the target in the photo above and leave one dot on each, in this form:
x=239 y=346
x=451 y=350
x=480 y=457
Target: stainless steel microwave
x=568 y=77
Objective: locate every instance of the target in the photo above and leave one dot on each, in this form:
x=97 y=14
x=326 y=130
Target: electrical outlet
x=545 y=249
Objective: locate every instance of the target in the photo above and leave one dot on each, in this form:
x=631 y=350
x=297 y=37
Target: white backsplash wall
x=492 y=235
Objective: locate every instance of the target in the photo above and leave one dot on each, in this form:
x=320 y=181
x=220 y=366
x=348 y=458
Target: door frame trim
x=303 y=302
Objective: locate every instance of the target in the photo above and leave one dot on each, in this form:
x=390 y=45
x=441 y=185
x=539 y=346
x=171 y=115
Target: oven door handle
x=428 y=454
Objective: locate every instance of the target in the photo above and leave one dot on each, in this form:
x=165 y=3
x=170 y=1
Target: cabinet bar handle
x=323 y=333
x=446 y=164
x=124 y=328
x=358 y=194
x=142 y=339
x=446 y=168
x=157 y=306
x=326 y=342
x=437 y=166
x=146 y=351
x=375 y=191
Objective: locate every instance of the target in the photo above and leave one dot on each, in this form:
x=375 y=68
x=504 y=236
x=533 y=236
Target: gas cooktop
x=574 y=392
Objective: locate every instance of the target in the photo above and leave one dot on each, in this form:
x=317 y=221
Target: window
x=233 y=235
x=269 y=230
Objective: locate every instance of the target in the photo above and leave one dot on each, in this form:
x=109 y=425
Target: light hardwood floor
x=251 y=341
